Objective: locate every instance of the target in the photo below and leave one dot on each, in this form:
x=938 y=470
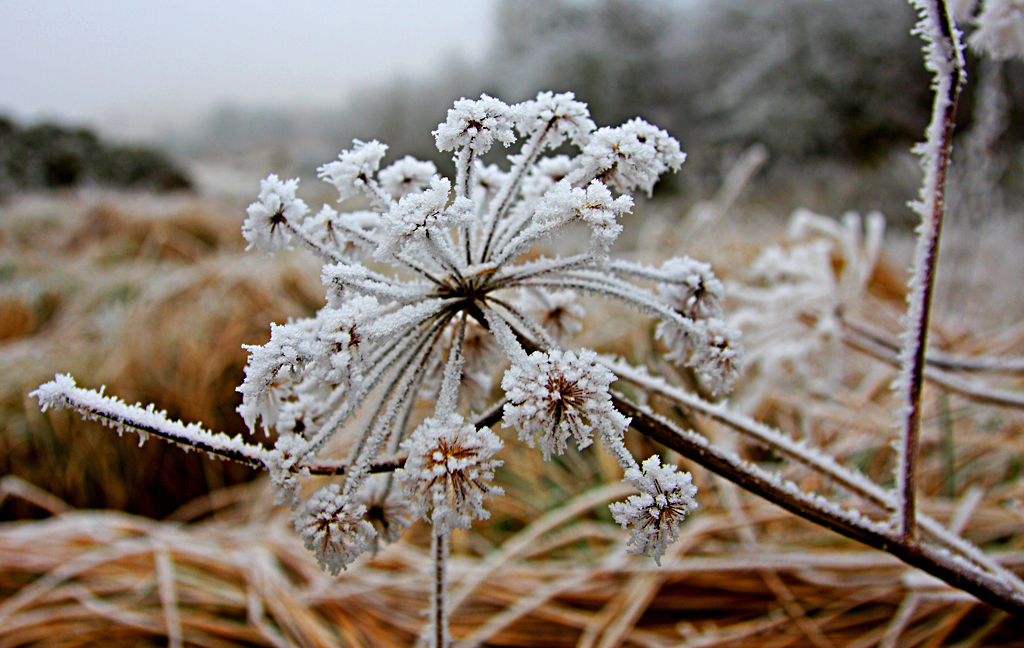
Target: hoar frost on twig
x=458 y=274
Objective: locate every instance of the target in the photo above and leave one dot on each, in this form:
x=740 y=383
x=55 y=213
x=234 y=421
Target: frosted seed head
x=406 y=176
x=545 y=174
x=416 y=214
x=567 y=117
x=692 y=289
x=555 y=395
x=630 y=156
x=386 y=510
x=334 y=529
x=558 y=312
x=449 y=472
x=353 y=169
x=710 y=347
x=275 y=206
x=652 y=517
x=475 y=125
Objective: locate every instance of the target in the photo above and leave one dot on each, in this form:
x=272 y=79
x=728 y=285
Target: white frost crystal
x=666 y=497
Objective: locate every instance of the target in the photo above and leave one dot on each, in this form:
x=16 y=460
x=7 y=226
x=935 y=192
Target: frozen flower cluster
x=427 y=288
x=653 y=516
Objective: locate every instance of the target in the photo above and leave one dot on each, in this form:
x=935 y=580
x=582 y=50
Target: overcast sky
x=105 y=60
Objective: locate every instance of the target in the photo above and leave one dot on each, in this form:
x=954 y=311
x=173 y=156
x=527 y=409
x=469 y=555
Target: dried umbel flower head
x=653 y=516
x=449 y=471
x=451 y=301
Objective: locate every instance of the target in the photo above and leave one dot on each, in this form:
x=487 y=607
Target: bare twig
x=945 y=60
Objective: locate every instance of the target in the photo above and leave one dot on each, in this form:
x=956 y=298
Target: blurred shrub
x=49 y=156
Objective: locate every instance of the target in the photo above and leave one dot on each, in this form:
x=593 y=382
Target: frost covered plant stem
x=944 y=58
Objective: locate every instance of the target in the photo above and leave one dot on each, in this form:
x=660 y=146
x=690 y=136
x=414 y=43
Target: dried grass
x=549 y=568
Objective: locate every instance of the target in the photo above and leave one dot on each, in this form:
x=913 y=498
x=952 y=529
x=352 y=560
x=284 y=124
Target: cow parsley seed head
x=631 y=156
x=559 y=115
x=449 y=471
x=709 y=346
x=558 y=312
x=351 y=172
x=386 y=510
x=406 y=176
x=666 y=497
x=416 y=215
x=693 y=291
x=334 y=529
x=475 y=125
x=555 y=395
x=271 y=217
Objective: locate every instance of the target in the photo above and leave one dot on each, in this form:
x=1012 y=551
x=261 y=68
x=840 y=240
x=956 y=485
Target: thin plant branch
x=943 y=56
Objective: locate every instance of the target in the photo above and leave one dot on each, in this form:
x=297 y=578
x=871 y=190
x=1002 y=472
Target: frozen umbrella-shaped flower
x=449 y=471
x=666 y=497
x=451 y=259
x=407 y=176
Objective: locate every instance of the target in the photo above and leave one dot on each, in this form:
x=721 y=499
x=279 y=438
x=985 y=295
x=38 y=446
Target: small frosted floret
x=449 y=472
x=406 y=176
x=352 y=172
x=710 y=347
x=558 y=312
x=334 y=529
x=476 y=125
x=545 y=174
x=276 y=207
x=694 y=291
x=1000 y=32
x=416 y=215
x=555 y=395
x=652 y=517
x=630 y=156
x=567 y=118
x=594 y=205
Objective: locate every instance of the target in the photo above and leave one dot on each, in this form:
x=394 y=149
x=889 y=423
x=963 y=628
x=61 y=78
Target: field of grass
x=108 y=543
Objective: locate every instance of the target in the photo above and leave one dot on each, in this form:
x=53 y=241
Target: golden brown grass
x=549 y=568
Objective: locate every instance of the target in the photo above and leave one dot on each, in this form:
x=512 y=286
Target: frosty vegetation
x=438 y=280
x=458 y=271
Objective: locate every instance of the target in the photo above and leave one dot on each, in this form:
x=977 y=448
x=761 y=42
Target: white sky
x=109 y=60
